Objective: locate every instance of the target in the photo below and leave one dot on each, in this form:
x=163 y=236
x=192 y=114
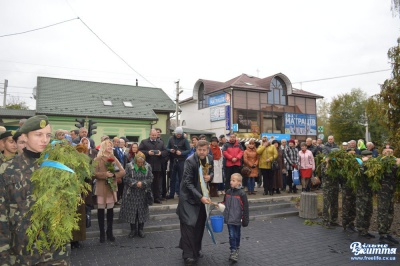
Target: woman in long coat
x=135 y=206
x=267 y=153
x=250 y=158
x=277 y=179
x=106 y=197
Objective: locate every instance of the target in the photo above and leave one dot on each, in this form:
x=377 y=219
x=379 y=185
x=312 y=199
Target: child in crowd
x=236 y=214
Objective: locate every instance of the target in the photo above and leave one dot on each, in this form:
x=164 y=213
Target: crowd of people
x=141 y=174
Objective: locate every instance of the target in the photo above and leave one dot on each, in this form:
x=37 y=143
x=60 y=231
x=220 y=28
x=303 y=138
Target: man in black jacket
x=154 y=150
x=178 y=147
x=191 y=209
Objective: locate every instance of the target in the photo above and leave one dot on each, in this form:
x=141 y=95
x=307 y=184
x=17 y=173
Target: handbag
x=275 y=165
x=149 y=197
x=88 y=216
x=245 y=171
x=296 y=177
x=315 y=181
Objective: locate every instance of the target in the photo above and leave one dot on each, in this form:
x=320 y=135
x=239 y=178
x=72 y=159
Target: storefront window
x=248 y=121
x=273 y=123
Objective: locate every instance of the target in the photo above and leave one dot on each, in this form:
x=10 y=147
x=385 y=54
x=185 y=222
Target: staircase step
x=155 y=225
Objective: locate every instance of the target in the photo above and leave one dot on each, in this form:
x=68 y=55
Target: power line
x=55 y=24
x=98 y=37
x=345 y=76
x=116 y=53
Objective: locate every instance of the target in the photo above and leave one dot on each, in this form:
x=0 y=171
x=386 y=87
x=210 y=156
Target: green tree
x=348 y=116
x=15 y=103
x=390 y=96
x=323 y=108
x=377 y=123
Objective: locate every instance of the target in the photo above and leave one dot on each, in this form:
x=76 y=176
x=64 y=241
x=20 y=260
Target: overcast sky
x=187 y=40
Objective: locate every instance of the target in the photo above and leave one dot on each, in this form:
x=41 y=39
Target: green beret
x=335 y=149
x=6 y=134
x=34 y=123
x=16 y=135
x=366 y=152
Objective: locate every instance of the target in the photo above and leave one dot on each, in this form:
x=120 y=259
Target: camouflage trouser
x=331 y=199
x=363 y=207
x=348 y=205
x=54 y=257
x=386 y=204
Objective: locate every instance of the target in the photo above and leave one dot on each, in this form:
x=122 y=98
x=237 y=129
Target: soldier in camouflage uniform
x=2 y=130
x=386 y=201
x=9 y=149
x=364 y=201
x=17 y=198
x=330 y=211
x=348 y=203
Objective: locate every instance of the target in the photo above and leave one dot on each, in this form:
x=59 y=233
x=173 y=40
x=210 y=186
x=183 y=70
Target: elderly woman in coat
x=106 y=186
x=137 y=183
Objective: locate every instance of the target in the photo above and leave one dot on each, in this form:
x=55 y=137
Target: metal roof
x=67 y=97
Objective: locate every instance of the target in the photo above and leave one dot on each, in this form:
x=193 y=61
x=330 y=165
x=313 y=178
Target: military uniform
x=16 y=200
x=331 y=200
x=386 y=204
x=4 y=231
x=364 y=206
x=330 y=210
x=348 y=205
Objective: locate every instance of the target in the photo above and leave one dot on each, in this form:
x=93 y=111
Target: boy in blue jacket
x=236 y=214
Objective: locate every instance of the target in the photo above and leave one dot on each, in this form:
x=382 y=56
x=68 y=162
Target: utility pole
x=366 y=128
x=177 y=102
x=5 y=93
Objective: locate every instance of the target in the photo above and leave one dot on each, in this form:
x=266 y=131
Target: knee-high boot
x=140 y=231
x=100 y=218
x=110 y=217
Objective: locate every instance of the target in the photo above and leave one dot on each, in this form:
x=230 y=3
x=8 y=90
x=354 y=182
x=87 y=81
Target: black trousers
x=228 y=172
x=120 y=190
x=164 y=179
x=156 y=185
x=191 y=237
x=268 y=176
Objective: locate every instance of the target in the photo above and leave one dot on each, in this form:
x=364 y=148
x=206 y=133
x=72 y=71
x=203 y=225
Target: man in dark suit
x=154 y=150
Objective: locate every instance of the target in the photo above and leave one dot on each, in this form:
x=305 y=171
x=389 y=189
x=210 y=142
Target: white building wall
x=201 y=119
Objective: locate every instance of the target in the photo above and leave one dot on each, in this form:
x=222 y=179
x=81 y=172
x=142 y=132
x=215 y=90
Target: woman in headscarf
x=107 y=171
x=135 y=205
x=92 y=153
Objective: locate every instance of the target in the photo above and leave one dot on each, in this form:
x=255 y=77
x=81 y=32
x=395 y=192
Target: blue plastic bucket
x=217 y=223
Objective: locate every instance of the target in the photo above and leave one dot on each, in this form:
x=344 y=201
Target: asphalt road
x=280 y=241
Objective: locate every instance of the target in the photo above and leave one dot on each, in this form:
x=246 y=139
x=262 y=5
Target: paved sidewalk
x=280 y=241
